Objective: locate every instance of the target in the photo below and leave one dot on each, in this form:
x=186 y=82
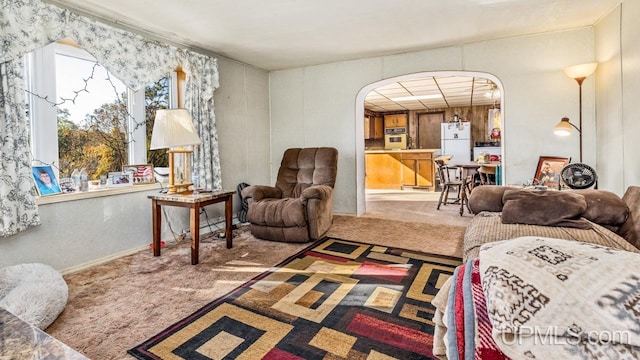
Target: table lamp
x=173 y=129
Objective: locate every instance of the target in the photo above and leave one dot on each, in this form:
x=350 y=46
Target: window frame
x=40 y=78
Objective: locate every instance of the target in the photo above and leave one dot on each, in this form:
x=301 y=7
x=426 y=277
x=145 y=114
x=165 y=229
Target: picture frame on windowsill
x=45 y=180
x=142 y=173
x=120 y=179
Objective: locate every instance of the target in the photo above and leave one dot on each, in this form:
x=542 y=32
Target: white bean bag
x=36 y=293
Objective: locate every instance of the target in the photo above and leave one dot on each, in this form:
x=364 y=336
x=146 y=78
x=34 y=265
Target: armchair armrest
x=259 y=192
x=320 y=192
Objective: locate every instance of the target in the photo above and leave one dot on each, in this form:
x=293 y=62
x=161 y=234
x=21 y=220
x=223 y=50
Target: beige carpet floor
x=114 y=306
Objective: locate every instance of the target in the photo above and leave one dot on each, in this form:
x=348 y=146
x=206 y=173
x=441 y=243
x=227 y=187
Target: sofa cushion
x=487 y=198
x=487 y=227
x=630 y=230
x=548 y=208
x=604 y=207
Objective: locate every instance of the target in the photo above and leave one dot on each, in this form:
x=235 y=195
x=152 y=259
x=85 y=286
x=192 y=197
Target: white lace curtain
x=26 y=25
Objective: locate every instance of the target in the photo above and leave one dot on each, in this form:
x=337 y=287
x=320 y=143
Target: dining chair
x=484 y=172
x=447 y=184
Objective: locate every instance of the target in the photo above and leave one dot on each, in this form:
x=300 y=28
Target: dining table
x=466 y=170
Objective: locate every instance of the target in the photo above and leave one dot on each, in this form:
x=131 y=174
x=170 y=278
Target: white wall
x=81 y=231
x=630 y=50
x=316 y=105
x=609 y=162
x=242 y=115
x=617 y=43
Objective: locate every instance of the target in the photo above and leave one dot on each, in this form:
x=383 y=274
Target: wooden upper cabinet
x=367 y=128
x=394 y=121
x=373 y=127
x=377 y=128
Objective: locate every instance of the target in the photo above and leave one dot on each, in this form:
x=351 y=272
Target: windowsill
x=52 y=199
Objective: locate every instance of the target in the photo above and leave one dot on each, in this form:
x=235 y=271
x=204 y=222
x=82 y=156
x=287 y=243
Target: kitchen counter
x=396 y=169
x=382 y=151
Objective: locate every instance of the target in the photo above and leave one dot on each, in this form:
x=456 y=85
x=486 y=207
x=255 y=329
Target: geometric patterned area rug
x=336 y=299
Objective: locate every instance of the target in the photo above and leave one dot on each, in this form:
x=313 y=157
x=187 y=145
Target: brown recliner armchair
x=300 y=207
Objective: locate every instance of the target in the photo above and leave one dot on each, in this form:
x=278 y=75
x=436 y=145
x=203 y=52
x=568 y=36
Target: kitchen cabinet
x=367 y=128
x=373 y=127
x=395 y=169
x=395 y=121
x=419 y=169
x=383 y=170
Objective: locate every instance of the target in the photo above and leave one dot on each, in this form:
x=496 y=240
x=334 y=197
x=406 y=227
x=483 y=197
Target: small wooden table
x=194 y=203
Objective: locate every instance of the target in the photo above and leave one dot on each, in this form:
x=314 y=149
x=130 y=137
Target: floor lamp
x=579 y=73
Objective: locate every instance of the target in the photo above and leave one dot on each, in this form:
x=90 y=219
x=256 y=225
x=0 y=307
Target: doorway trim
x=359 y=141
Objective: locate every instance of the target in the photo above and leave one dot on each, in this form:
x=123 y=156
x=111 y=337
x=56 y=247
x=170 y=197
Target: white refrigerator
x=456 y=141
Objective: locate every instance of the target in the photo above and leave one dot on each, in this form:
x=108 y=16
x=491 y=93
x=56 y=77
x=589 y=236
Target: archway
x=359 y=141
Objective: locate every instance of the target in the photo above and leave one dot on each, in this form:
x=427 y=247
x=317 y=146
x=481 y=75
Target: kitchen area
x=404 y=135
x=390 y=161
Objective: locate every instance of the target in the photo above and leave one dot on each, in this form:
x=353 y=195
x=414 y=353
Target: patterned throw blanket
x=543 y=298
x=469 y=329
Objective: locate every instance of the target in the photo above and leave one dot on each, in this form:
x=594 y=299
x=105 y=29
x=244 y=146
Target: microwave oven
x=396 y=141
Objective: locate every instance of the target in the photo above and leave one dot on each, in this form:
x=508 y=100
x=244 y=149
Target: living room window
x=82 y=116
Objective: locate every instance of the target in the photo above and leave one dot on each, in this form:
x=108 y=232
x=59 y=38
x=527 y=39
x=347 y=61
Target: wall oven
x=395 y=138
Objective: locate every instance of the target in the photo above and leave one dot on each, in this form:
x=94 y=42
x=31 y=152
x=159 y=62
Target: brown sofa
x=593 y=216
x=299 y=208
x=590 y=216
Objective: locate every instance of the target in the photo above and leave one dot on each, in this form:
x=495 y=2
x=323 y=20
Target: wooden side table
x=194 y=203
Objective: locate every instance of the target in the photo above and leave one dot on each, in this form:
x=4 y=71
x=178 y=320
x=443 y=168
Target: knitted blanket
x=559 y=299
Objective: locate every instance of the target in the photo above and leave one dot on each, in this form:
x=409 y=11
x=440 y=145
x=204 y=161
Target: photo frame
x=120 y=179
x=45 y=180
x=548 y=170
x=141 y=174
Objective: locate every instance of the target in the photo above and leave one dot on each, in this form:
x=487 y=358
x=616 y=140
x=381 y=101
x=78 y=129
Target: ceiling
x=283 y=34
x=433 y=93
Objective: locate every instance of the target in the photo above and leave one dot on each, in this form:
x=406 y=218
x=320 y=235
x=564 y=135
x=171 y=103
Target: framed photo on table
x=141 y=174
x=548 y=170
x=46 y=182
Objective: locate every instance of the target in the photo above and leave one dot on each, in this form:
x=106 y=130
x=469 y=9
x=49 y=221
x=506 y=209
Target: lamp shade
x=173 y=128
x=564 y=127
x=580 y=71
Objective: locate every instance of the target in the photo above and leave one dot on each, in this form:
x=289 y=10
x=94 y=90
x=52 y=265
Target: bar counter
x=397 y=169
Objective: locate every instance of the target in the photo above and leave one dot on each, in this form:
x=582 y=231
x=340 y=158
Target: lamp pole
x=580 y=80
x=579 y=73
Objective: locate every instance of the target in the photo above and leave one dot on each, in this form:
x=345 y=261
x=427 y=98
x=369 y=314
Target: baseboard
x=204 y=226
x=103 y=260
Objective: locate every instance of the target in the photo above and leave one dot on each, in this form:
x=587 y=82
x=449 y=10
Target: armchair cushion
x=320 y=192
x=301 y=168
x=285 y=212
x=259 y=192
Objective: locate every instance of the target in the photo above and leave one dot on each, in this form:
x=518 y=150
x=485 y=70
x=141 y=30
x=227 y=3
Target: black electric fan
x=579 y=176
